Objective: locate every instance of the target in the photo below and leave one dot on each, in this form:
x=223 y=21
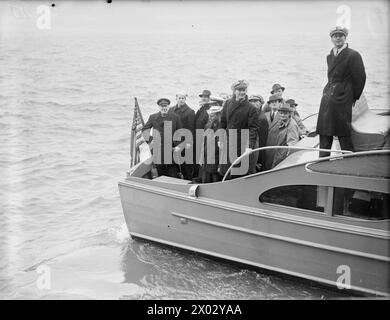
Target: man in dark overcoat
x=163 y=159
x=239 y=114
x=201 y=119
x=346 y=80
x=187 y=119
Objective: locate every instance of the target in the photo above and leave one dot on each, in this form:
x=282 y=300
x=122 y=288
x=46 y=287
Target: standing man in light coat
x=346 y=80
x=284 y=132
x=275 y=102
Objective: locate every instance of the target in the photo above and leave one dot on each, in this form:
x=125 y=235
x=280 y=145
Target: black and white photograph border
x=194 y=150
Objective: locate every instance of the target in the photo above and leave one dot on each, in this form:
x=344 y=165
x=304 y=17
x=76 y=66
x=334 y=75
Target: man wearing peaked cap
x=239 y=114
x=338 y=29
x=164 y=124
x=346 y=80
x=239 y=84
x=163 y=101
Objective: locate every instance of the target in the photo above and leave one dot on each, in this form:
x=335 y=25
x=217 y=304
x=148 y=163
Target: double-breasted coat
x=346 y=80
x=158 y=122
x=239 y=115
x=187 y=119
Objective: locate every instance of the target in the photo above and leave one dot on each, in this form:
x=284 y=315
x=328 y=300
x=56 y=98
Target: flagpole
x=132 y=136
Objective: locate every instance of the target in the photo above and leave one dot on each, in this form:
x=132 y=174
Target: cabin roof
x=365 y=164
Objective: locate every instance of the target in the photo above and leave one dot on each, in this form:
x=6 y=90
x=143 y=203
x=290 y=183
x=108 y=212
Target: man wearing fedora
x=275 y=101
x=284 y=132
x=257 y=101
x=160 y=121
x=346 y=80
x=276 y=89
x=295 y=115
x=239 y=114
x=187 y=119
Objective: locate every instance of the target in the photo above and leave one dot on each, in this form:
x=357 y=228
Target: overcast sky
x=193 y=18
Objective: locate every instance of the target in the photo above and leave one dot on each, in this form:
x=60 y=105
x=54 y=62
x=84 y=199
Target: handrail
x=309 y=116
x=278 y=147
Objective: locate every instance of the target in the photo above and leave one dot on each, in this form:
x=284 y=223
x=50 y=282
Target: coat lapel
x=334 y=61
x=233 y=107
x=236 y=104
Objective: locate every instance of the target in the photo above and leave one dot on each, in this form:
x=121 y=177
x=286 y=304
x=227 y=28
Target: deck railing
x=245 y=154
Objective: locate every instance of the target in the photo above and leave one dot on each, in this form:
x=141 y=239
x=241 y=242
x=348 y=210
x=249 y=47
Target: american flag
x=136 y=140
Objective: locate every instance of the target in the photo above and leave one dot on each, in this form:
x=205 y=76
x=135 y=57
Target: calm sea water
x=65 y=112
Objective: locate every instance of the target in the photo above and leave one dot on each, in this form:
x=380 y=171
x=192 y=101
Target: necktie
x=272 y=116
x=337 y=52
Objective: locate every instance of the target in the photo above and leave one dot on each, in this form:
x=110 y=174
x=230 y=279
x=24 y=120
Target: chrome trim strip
x=334 y=226
x=286 y=239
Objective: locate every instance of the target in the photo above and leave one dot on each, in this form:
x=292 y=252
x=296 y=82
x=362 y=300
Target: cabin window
x=306 y=197
x=361 y=204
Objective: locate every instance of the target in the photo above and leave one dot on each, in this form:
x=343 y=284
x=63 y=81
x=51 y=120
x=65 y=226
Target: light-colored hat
x=285 y=107
x=338 y=29
x=240 y=84
x=224 y=96
x=256 y=97
x=214 y=109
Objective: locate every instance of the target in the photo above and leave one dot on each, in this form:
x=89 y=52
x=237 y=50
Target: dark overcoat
x=201 y=119
x=263 y=135
x=187 y=119
x=158 y=122
x=186 y=115
x=346 y=80
x=209 y=139
x=239 y=115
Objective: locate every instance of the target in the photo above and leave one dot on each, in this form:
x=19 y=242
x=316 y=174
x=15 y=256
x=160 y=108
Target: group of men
x=226 y=127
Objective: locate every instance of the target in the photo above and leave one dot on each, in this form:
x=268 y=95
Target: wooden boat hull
x=311 y=246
